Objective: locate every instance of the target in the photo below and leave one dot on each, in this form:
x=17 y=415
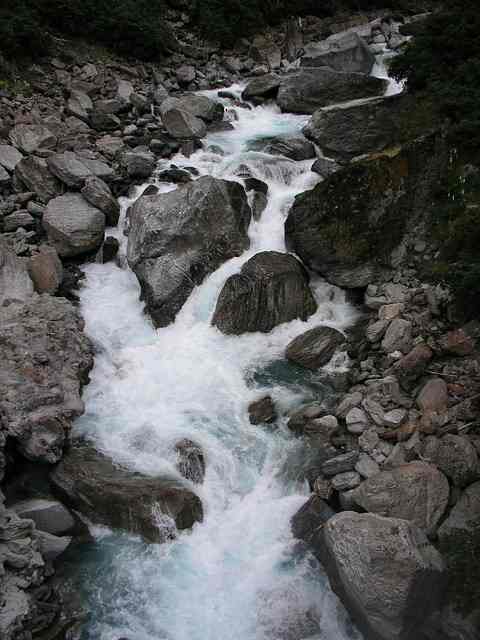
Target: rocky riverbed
x=224 y=374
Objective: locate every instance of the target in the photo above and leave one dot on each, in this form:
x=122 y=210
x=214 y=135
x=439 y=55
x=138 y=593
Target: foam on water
x=239 y=574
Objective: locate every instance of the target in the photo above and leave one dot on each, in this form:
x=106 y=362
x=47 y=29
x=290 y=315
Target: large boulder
x=315 y=348
x=29 y=138
x=263 y=87
x=385 y=572
x=417 y=492
x=293 y=147
x=179 y=122
x=455 y=456
x=34 y=173
x=48 y=515
x=307 y=90
x=46 y=359
x=350 y=227
x=106 y=493
x=357 y=127
x=97 y=193
x=270 y=289
x=15 y=282
x=178 y=238
x=201 y=107
x=342 y=52
x=73 y=225
x=9 y=157
x=69 y=169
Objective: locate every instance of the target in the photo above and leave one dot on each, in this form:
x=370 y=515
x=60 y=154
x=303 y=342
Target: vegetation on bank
x=442 y=69
x=137 y=28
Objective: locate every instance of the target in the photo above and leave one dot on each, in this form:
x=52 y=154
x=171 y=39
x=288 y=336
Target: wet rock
x=356 y=127
x=270 y=289
x=97 y=193
x=381 y=568
x=15 y=282
x=34 y=173
x=263 y=87
x=46 y=360
x=139 y=164
x=417 y=492
x=29 y=138
x=51 y=547
x=48 y=515
x=262 y=411
x=190 y=460
x=201 y=107
x=178 y=238
x=295 y=148
x=308 y=89
x=110 y=249
x=108 y=494
x=310 y=518
x=343 y=52
x=45 y=269
x=73 y=226
x=315 y=348
x=325 y=167
x=455 y=456
x=366 y=466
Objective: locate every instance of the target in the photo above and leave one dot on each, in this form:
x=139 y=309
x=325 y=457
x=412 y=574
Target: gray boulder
x=97 y=193
x=314 y=348
x=48 y=515
x=108 y=494
x=201 y=107
x=355 y=128
x=385 y=572
x=46 y=270
x=51 y=547
x=465 y=515
x=15 y=282
x=138 y=163
x=176 y=239
x=34 y=173
x=73 y=225
x=9 y=157
x=179 y=122
x=190 y=460
x=342 y=52
x=31 y=137
x=270 y=289
x=185 y=75
x=263 y=87
x=307 y=90
x=295 y=148
x=417 y=492
x=79 y=105
x=455 y=456
x=46 y=359
x=69 y=169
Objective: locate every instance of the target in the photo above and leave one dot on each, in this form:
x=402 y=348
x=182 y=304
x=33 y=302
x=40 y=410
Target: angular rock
x=270 y=289
x=15 y=282
x=412 y=366
x=9 y=157
x=398 y=336
x=262 y=411
x=31 y=137
x=465 y=515
x=108 y=494
x=185 y=75
x=48 y=515
x=357 y=421
x=342 y=52
x=263 y=87
x=104 y=121
x=417 y=492
x=46 y=270
x=325 y=167
x=97 y=193
x=179 y=122
x=295 y=148
x=385 y=572
x=455 y=456
x=190 y=460
x=17 y=219
x=79 y=105
x=51 y=547
x=139 y=164
x=46 y=359
x=314 y=348
x=176 y=239
x=4 y=177
x=433 y=396
x=340 y=464
x=310 y=518
x=201 y=107
x=346 y=481
x=69 y=169
x=34 y=173
x=308 y=89
x=73 y=225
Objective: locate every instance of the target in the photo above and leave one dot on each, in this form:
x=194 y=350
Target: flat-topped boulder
x=31 y=137
x=308 y=89
x=177 y=238
x=342 y=52
x=109 y=494
x=73 y=225
x=270 y=289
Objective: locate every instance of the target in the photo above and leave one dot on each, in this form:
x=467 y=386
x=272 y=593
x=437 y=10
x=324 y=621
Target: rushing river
x=238 y=575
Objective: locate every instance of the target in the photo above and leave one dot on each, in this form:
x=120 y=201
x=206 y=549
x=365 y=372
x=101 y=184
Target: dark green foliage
x=20 y=32
x=462 y=554
x=443 y=62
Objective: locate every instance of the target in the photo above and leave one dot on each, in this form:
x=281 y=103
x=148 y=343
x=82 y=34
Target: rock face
x=315 y=348
x=307 y=90
x=91 y=483
x=342 y=52
x=385 y=571
x=349 y=226
x=15 y=283
x=271 y=288
x=417 y=492
x=73 y=225
x=355 y=128
x=178 y=238
x=46 y=359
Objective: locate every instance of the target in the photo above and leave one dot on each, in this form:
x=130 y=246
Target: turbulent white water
x=238 y=575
